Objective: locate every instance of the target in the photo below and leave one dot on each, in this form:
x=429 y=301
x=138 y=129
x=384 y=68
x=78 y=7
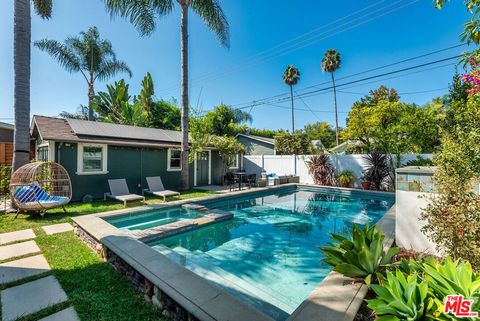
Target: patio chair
x=252 y=180
x=155 y=187
x=119 y=191
x=230 y=179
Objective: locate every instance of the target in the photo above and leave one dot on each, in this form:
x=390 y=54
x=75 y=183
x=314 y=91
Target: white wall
x=408 y=224
x=289 y=164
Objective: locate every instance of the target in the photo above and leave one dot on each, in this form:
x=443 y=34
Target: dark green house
x=93 y=152
x=256 y=145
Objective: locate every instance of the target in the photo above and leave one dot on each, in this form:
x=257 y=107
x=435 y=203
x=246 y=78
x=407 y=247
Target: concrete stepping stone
x=68 y=314
x=23 y=268
x=18 y=249
x=31 y=297
x=16 y=236
x=57 y=228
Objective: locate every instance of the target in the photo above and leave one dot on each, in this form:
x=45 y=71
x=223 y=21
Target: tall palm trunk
x=184 y=179
x=293 y=110
x=91 y=94
x=336 y=112
x=21 y=66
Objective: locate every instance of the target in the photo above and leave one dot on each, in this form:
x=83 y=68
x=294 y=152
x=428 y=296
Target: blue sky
x=384 y=32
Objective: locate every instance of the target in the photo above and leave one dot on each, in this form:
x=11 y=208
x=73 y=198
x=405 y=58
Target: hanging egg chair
x=40 y=186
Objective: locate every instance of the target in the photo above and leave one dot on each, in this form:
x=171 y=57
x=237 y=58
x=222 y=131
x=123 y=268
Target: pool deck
x=336 y=298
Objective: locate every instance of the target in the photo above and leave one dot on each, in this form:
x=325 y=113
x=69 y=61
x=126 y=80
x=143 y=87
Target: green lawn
x=10 y=223
x=93 y=287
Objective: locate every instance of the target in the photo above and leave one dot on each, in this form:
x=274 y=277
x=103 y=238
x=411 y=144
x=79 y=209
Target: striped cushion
x=27 y=194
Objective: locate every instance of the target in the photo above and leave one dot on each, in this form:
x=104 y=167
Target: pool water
x=141 y=221
x=268 y=255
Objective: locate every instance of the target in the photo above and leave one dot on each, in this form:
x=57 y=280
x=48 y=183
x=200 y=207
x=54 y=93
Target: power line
x=273 y=52
x=358 y=73
x=308 y=94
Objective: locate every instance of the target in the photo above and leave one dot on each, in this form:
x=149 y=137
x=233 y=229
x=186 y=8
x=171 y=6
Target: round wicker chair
x=40 y=186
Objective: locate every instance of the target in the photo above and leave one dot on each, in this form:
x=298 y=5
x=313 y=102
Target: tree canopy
x=116 y=105
x=322 y=131
x=382 y=122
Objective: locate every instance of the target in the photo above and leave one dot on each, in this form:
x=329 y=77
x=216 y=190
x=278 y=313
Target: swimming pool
x=268 y=254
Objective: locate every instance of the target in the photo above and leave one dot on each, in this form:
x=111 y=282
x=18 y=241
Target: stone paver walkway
x=31 y=297
x=18 y=249
x=23 y=268
x=64 y=315
x=17 y=236
x=57 y=228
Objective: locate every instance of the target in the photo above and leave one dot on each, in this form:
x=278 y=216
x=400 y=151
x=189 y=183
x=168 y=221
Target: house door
x=202 y=169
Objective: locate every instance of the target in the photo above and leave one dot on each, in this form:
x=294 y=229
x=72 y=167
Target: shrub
x=289 y=144
x=403 y=297
x=321 y=169
x=5 y=173
x=360 y=255
x=420 y=161
x=377 y=171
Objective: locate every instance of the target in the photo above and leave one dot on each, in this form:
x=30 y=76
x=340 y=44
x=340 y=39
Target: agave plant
x=361 y=255
x=321 y=169
x=453 y=277
x=403 y=297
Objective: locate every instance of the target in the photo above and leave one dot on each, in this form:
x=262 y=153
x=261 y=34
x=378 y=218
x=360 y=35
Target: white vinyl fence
x=295 y=164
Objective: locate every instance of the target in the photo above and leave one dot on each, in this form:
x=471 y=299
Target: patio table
x=240 y=176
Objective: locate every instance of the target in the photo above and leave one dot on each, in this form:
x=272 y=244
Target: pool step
x=166 y=230
x=262 y=298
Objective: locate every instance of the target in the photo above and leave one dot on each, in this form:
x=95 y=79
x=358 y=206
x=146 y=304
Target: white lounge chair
x=155 y=187
x=119 y=191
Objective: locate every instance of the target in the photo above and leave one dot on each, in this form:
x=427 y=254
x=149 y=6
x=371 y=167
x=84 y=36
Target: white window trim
x=80 y=147
x=169 y=155
x=238 y=163
x=51 y=149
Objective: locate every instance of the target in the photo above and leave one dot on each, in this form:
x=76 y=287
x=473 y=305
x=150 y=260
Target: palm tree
x=291 y=76
x=330 y=63
x=144 y=15
x=21 y=67
x=93 y=57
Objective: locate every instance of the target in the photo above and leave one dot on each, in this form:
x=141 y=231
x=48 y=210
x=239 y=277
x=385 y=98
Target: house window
x=42 y=153
x=234 y=162
x=174 y=161
x=92 y=159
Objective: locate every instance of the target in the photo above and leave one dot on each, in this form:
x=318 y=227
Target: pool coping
x=335 y=298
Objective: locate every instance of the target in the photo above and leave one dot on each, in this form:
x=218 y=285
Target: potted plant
x=346 y=178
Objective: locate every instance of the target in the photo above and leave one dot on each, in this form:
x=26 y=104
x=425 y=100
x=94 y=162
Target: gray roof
x=270 y=141
x=72 y=130
x=99 y=129
x=6 y=126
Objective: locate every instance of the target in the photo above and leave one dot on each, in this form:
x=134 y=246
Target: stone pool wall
x=152 y=294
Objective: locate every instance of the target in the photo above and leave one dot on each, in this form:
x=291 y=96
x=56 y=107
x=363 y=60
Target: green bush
x=360 y=255
x=420 y=161
x=5 y=173
x=289 y=144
